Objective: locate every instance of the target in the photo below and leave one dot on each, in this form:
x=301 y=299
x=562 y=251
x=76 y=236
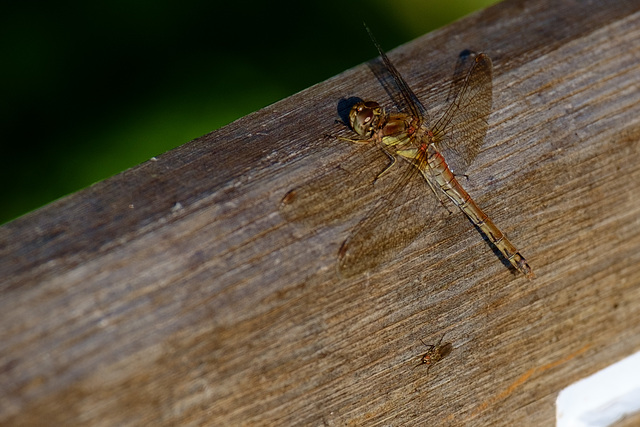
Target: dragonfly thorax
x=365 y=117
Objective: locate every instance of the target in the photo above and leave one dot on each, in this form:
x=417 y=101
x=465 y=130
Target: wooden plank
x=176 y=293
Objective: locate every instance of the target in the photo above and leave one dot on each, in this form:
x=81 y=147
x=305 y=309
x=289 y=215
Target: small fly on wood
x=435 y=353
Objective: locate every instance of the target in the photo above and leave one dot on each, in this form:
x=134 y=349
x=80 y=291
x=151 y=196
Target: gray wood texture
x=176 y=292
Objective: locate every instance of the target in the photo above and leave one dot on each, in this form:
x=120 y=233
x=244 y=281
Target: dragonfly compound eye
x=364 y=117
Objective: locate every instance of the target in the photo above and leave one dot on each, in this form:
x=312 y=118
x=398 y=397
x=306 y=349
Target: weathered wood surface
x=176 y=293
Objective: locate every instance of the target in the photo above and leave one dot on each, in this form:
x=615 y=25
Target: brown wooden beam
x=177 y=293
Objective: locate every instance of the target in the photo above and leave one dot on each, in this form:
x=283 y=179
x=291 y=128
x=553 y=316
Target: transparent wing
x=409 y=99
x=338 y=193
x=463 y=126
x=399 y=217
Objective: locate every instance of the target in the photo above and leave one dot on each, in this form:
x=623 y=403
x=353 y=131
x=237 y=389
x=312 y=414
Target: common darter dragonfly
x=408 y=138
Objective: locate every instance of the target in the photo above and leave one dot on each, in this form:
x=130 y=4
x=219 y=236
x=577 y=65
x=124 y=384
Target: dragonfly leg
x=354 y=141
x=389 y=166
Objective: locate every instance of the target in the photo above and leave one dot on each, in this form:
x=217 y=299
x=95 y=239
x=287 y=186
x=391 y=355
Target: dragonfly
x=435 y=353
x=403 y=210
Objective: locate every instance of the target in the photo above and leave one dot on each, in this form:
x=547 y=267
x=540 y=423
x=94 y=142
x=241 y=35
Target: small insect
x=434 y=353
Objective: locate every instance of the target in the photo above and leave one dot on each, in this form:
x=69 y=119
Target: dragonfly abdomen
x=447 y=182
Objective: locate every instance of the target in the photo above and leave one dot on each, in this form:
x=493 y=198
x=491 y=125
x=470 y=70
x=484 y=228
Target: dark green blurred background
x=92 y=88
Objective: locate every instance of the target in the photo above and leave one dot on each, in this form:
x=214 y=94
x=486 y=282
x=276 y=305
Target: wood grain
x=176 y=292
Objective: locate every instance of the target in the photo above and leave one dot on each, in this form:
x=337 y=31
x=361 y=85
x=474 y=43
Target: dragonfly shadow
x=344 y=107
x=460 y=72
x=494 y=249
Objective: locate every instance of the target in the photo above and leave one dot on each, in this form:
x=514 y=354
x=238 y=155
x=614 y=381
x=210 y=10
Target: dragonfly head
x=365 y=117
